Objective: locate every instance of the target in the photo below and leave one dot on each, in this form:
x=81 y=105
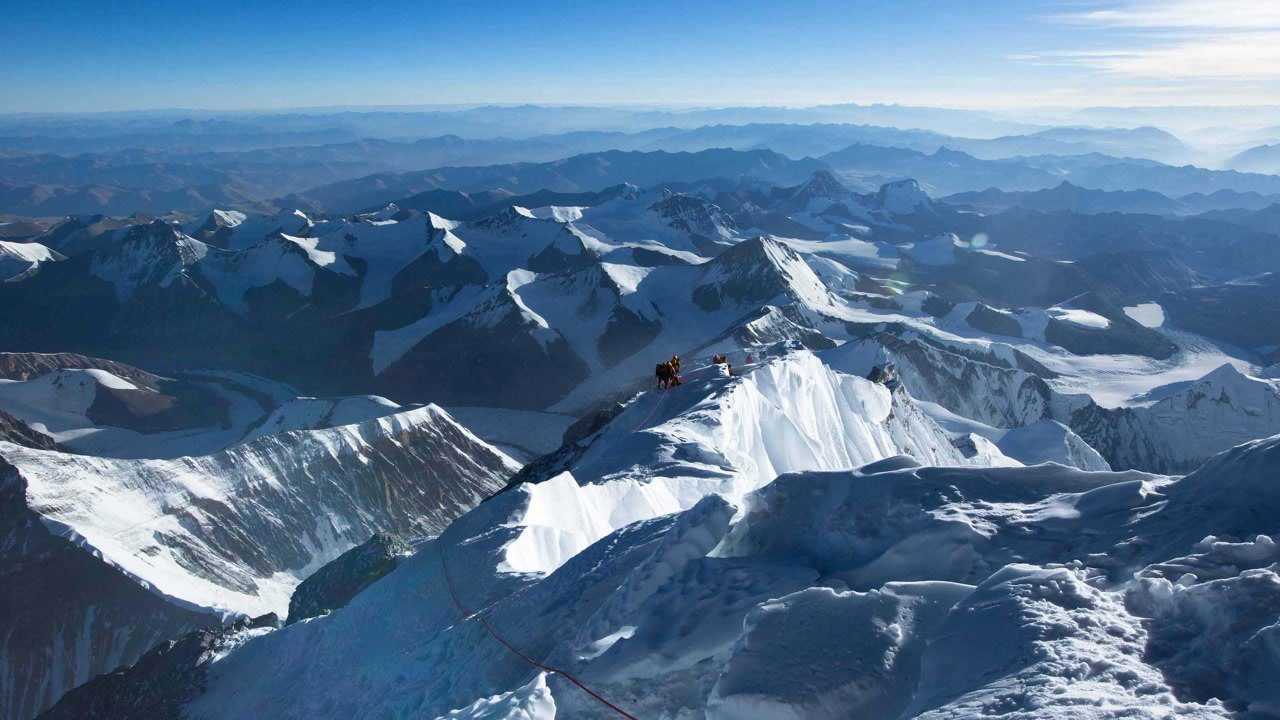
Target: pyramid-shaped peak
x=758 y=270
x=822 y=184
x=1226 y=374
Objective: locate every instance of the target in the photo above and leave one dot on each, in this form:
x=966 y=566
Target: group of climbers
x=668 y=373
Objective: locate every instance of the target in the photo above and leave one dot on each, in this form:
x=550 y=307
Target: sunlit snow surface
x=294 y=494
x=791 y=540
x=674 y=574
x=1148 y=314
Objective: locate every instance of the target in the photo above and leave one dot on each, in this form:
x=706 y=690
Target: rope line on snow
x=662 y=396
x=484 y=622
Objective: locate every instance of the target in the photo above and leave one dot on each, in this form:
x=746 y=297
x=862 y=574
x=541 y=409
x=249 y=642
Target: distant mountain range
x=1067 y=197
x=1262 y=159
x=153 y=179
x=593 y=171
x=948 y=171
x=194 y=130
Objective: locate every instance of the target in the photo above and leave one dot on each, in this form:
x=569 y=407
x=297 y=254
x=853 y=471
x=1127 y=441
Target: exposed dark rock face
x=751 y=272
x=67 y=614
x=1123 y=335
x=982 y=386
x=577 y=438
x=1139 y=276
x=74 y=615
x=159 y=684
x=1242 y=312
x=1122 y=338
x=19 y=433
x=937 y=306
x=28 y=365
x=986 y=319
x=1001 y=281
x=626 y=334
x=333 y=585
x=488 y=358
x=1118 y=434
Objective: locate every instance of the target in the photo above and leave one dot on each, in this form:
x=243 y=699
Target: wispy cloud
x=1181 y=14
x=1221 y=40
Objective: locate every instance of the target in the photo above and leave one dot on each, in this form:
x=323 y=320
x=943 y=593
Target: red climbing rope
x=484 y=622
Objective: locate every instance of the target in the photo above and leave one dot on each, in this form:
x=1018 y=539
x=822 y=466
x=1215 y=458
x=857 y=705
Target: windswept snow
x=528 y=702
x=723 y=435
x=891 y=591
x=788 y=538
x=1147 y=314
x=19 y=258
x=294 y=495
x=1083 y=318
x=1050 y=441
x=313 y=413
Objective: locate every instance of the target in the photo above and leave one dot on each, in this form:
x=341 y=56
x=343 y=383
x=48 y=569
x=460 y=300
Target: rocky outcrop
x=161 y=682
x=333 y=585
x=19 y=433
x=103 y=558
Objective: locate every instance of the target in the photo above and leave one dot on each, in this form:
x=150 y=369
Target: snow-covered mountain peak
x=153 y=254
x=388 y=213
x=226 y=218
x=756 y=271
x=508 y=219
x=1229 y=376
x=512 y=239
x=718 y=434
x=437 y=222
x=821 y=185
x=114 y=556
x=22 y=259
x=67 y=392
x=695 y=215
x=903 y=197
x=1224 y=386
x=790 y=595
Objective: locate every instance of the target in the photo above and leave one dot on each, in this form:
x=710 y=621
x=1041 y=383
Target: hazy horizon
x=656 y=107
x=1000 y=56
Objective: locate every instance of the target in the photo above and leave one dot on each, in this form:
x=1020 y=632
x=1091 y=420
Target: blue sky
x=76 y=55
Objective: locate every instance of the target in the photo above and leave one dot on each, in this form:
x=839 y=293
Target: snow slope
x=61 y=403
x=198 y=537
x=718 y=434
x=17 y=259
x=153 y=518
x=1050 y=441
x=1188 y=422
x=893 y=591
x=313 y=413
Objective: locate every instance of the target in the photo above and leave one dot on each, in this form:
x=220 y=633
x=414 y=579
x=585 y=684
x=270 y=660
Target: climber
x=722 y=359
x=886 y=375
